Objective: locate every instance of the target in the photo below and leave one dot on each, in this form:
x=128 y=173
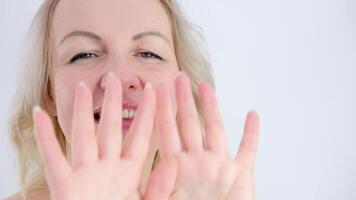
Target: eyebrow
x=81 y=33
x=98 y=38
x=150 y=33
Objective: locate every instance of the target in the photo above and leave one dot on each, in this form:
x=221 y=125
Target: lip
x=126 y=123
x=129 y=105
x=125 y=105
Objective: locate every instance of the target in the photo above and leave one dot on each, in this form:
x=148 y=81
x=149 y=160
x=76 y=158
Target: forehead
x=110 y=17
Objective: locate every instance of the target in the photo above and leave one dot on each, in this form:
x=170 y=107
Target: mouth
x=128 y=114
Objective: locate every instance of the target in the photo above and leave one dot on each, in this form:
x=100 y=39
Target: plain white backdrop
x=294 y=61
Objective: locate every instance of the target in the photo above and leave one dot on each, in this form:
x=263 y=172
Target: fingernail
x=81 y=84
x=109 y=79
x=36 y=109
x=148 y=86
x=252 y=111
x=161 y=81
x=111 y=75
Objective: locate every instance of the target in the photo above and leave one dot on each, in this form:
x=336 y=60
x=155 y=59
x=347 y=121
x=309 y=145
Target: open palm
x=204 y=168
x=102 y=166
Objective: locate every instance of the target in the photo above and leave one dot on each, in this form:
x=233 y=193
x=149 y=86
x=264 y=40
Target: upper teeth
x=128 y=113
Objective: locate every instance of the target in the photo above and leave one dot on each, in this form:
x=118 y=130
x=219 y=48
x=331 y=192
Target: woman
x=111 y=77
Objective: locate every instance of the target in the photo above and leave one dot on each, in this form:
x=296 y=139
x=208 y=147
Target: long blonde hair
x=33 y=84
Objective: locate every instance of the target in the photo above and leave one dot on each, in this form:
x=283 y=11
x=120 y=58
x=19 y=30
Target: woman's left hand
x=205 y=170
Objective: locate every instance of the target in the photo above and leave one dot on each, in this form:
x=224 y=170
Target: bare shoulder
x=38 y=196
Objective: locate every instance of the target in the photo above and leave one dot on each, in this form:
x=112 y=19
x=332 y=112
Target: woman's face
x=91 y=38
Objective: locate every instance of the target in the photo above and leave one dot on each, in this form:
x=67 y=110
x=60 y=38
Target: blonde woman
x=107 y=85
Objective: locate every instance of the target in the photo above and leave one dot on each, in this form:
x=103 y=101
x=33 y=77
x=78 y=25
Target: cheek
x=66 y=81
x=157 y=73
x=164 y=74
x=64 y=99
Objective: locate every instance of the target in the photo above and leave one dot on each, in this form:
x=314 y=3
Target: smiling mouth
x=128 y=114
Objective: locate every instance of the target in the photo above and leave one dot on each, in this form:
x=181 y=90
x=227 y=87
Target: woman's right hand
x=102 y=165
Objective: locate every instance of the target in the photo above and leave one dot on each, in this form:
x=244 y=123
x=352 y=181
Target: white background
x=294 y=61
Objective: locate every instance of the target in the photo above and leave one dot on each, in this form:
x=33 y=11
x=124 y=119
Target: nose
x=129 y=79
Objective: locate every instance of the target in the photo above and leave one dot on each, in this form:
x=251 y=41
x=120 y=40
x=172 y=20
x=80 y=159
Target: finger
x=137 y=140
x=55 y=163
x=248 y=146
x=109 y=132
x=84 y=145
x=214 y=130
x=188 y=119
x=161 y=182
x=169 y=140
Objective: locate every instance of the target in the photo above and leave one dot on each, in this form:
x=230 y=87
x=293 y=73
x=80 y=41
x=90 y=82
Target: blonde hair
x=33 y=84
